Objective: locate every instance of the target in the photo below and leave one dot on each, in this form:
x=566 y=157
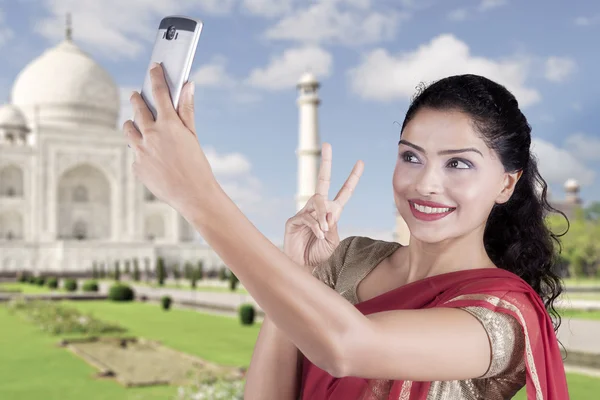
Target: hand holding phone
x=174 y=48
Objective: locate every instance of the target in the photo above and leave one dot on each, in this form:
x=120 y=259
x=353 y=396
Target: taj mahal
x=68 y=197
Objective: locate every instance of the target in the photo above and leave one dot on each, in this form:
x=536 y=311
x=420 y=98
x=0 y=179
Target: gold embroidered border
x=497 y=302
x=405 y=391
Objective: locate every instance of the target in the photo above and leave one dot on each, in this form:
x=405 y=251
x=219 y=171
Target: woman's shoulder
x=351 y=253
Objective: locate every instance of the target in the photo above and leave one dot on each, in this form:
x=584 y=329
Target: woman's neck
x=421 y=260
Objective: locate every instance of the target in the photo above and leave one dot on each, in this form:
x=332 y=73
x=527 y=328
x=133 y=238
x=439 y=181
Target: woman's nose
x=429 y=182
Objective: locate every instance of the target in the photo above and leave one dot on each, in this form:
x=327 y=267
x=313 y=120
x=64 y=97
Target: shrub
x=214 y=389
x=57 y=319
x=31 y=279
x=70 y=285
x=120 y=292
x=90 y=286
x=52 y=283
x=22 y=277
x=247 y=314
x=40 y=281
x=165 y=302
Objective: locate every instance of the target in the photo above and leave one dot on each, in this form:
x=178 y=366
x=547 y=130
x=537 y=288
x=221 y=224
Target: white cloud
x=584 y=146
x=459 y=14
x=213 y=74
x=559 y=68
x=284 y=71
x=588 y=21
x=5 y=32
x=117 y=28
x=558 y=164
x=268 y=8
x=227 y=165
x=327 y=22
x=384 y=77
x=491 y=4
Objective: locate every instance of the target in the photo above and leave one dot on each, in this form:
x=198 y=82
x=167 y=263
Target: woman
x=462 y=312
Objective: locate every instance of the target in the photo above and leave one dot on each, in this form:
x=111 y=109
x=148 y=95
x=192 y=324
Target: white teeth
x=430 y=210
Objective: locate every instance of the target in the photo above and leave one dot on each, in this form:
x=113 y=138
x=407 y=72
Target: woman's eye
x=459 y=164
x=409 y=157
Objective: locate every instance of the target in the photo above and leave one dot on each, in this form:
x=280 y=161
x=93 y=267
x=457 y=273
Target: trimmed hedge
x=90 y=286
x=166 y=302
x=121 y=292
x=70 y=285
x=247 y=314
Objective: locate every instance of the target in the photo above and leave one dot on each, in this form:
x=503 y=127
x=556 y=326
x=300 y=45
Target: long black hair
x=516 y=236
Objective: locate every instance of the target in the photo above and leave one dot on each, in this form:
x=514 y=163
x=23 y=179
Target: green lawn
x=33 y=367
x=27 y=288
x=582 y=281
x=581 y=387
x=579 y=314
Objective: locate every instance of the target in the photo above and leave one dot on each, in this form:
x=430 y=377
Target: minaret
x=309 y=144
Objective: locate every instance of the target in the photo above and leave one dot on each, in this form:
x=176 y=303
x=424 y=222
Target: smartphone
x=174 y=48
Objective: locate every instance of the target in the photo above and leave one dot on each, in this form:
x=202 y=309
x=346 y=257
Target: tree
x=127 y=269
x=233 y=281
x=136 y=270
x=161 y=272
x=117 y=271
x=200 y=269
x=580 y=245
x=592 y=212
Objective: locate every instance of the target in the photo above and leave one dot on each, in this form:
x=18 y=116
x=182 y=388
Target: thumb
x=186 y=106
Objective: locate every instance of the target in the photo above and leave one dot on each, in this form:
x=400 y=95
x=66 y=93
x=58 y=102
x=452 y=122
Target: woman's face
x=446 y=179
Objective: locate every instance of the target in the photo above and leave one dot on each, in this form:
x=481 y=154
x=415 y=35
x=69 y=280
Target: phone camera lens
x=170 y=32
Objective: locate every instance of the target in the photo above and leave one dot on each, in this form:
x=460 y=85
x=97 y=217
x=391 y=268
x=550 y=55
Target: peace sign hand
x=311 y=235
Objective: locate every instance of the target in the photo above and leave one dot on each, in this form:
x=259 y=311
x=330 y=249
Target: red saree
x=495 y=289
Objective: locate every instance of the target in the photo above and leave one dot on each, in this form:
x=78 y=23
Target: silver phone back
x=174 y=50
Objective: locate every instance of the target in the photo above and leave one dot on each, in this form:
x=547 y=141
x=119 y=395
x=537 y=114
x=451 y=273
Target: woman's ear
x=509 y=184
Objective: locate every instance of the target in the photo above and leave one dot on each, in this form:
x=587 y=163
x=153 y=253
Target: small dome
x=308 y=79
x=571 y=185
x=12 y=117
x=65 y=77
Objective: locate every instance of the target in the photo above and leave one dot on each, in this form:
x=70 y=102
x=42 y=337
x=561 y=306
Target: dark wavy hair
x=516 y=236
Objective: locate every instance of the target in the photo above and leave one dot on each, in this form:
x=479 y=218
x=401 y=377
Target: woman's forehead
x=433 y=129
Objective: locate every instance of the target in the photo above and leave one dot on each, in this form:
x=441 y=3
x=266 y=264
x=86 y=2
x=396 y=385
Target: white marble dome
x=12 y=117
x=571 y=185
x=65 y=83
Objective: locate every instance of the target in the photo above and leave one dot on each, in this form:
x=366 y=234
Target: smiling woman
x=462 y=312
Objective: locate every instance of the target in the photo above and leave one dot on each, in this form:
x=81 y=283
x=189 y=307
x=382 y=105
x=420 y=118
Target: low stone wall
x=54 y=296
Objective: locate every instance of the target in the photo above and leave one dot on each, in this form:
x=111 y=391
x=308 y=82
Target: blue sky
x=369 y=56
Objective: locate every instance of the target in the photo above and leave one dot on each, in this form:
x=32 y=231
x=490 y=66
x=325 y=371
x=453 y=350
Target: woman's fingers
x=306 y=219
x=321 y=211
x=348 y=188
x=324 y=177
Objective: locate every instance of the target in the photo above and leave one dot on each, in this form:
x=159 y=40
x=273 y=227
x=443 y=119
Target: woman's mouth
x=427 y=213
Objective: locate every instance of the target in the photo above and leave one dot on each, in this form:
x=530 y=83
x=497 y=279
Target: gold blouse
x=356 y=256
